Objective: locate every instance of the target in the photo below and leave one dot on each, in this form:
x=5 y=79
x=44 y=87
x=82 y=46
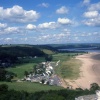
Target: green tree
x=3 y=88
x=2 y=74
x=94 y=86
x=48 y=57
x=52 y=97
x=26 y=73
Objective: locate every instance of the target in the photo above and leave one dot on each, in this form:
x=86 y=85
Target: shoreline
x=89 y=71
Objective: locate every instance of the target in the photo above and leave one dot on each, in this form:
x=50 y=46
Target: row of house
x=44 y=73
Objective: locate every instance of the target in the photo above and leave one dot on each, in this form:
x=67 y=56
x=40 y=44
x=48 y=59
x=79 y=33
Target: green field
x=69 y=67
x=33 y=60
x=64 y=56
x=30 y=87
x=48 y=51
x=20 y=69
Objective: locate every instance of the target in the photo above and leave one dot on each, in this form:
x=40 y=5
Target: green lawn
x=20 y=69
x=30 y=87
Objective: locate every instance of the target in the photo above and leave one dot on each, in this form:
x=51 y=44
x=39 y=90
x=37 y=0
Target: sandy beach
x=89 y=71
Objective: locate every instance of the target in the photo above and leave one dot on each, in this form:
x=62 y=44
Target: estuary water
x=81 y=49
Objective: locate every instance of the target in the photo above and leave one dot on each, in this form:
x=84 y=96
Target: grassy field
x=30 y=87
x=20 y=69
x=33 y=60
x=48 y=51
x=64 y=56
x=68 y=66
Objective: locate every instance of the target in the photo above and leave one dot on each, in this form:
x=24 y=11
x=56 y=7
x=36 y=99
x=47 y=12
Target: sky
x=49 y=21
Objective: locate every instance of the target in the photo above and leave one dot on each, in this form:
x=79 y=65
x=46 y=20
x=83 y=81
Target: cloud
x=86 y=1
x=51 y=25
x=18 y=14
x=46 y=5
x=91 y=14
x=54 y=25
x=3 y=25
x=47 y=25
x=8 y=39
x=53 y=38
x=30 y=27
x=95 y=6
x=11 y=30
x=62 y=10
x=64 y=21
x=93 y=22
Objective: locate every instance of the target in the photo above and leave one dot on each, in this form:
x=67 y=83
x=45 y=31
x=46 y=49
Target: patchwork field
x=67 y=68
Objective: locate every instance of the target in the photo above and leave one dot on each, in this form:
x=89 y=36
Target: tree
x=52 y=97
x=26 y=73
x=48 y=57
x=94 y=86
x=3 y=88
x=2 y=74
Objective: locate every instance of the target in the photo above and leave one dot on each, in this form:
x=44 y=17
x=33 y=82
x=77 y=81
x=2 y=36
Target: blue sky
x=49 y=21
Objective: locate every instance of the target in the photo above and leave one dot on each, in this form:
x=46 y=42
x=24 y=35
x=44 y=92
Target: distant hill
x=10 y=54
x=21 y=51
x=75 y=45
x=47 y=49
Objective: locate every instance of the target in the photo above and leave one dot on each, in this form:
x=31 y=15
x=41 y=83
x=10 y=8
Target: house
x=43 y=73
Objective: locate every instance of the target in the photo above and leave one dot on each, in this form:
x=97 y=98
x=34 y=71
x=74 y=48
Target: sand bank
x=89 y=71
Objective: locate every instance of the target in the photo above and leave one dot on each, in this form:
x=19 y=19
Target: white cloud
x=95 y=6
x=8 y=39
x=11 y=29
x=46 y=5
x=54 y=25
x=3 y=25
x=30 y=27
x=93 y=22
x=62 y=10
x=86 y=1
x=91 y=14
x=64 y=21
x=18 y=14
x=47 y=25
x=56 y=37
